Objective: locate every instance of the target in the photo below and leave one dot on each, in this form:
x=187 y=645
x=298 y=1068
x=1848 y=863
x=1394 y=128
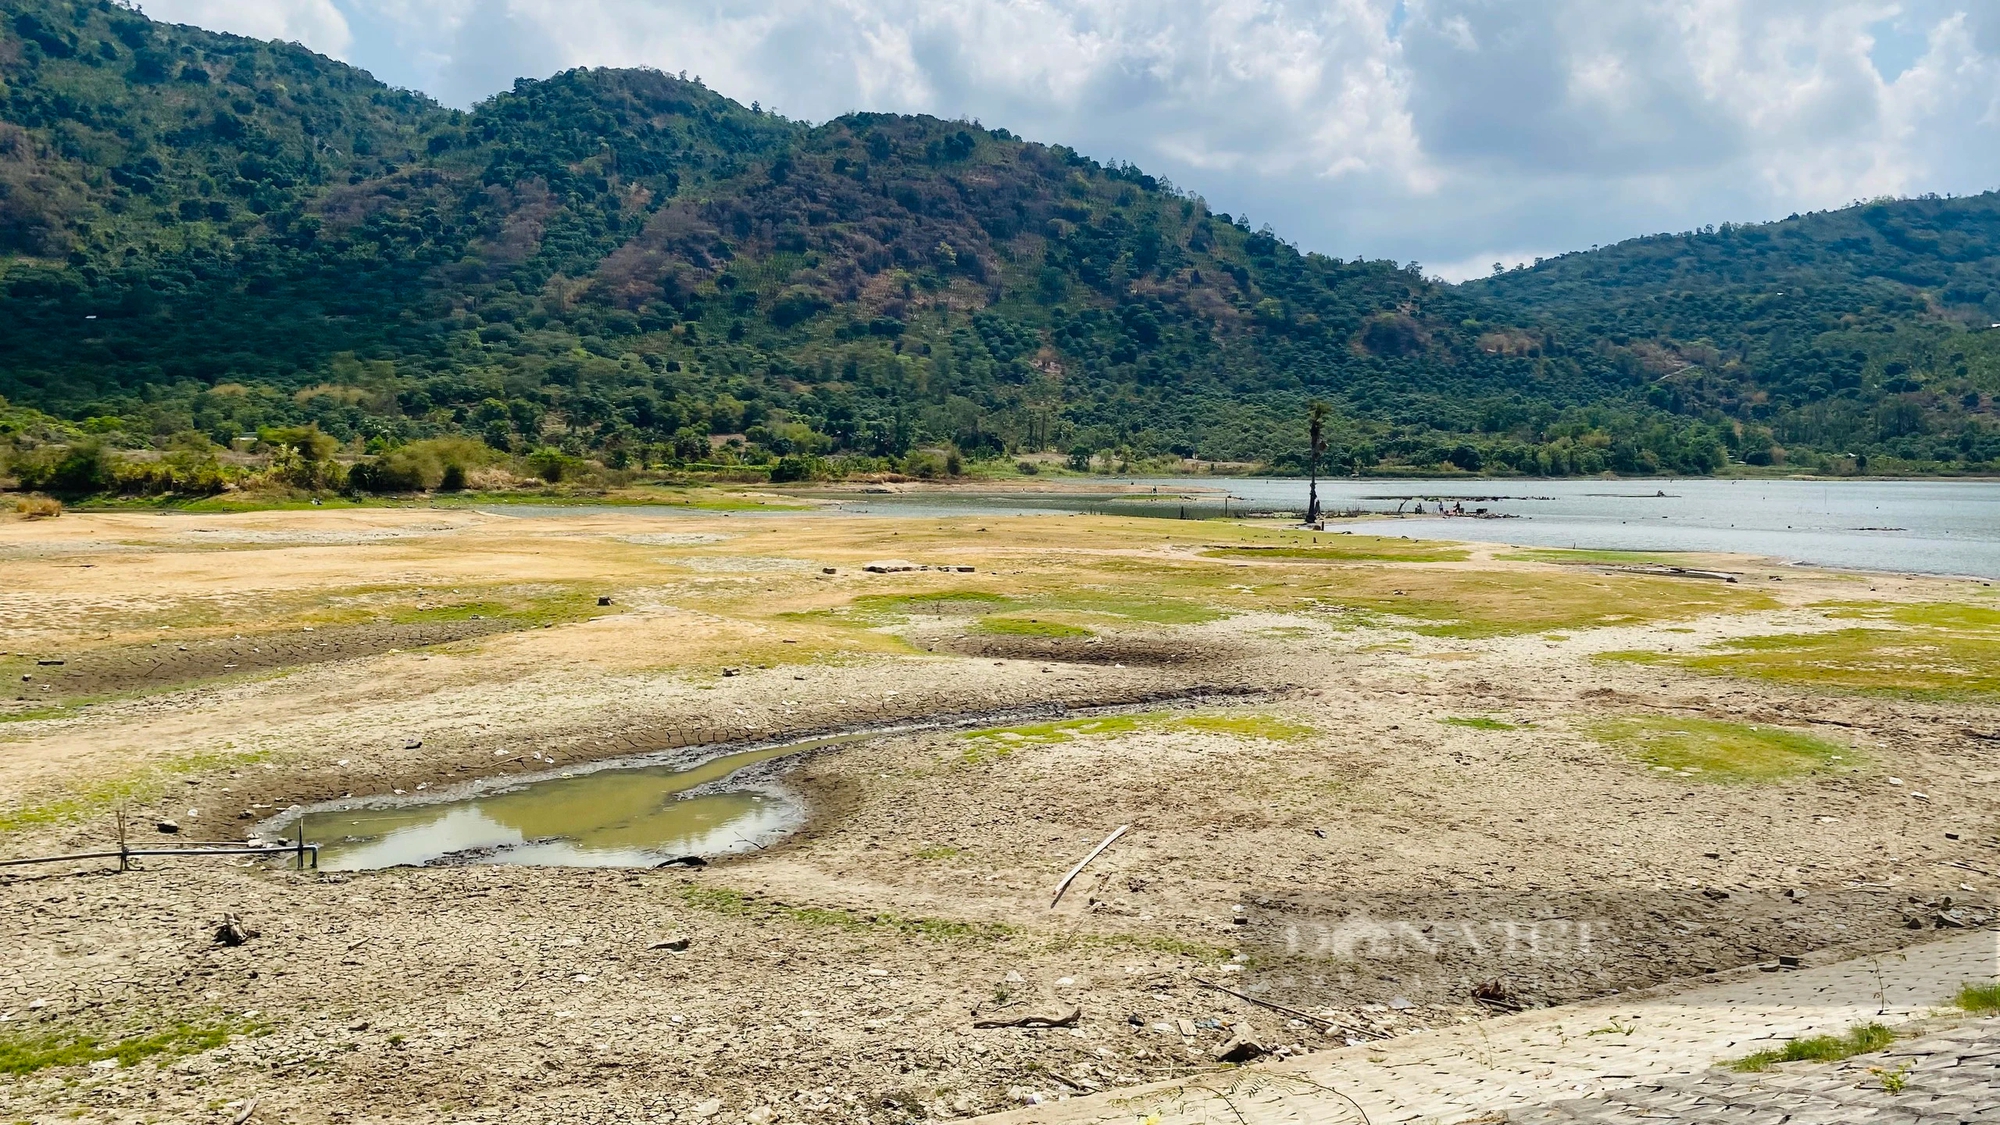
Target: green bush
x=797 y=467
x=81 y=468
x=438 y=463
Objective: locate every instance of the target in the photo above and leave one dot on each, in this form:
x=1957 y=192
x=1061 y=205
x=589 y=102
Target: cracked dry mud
x=1316 y=816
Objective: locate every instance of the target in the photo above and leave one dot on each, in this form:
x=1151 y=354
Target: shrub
x=79 y=469
x=38 y=507
x=440 y=463
x=551 y=464
x=796 y=467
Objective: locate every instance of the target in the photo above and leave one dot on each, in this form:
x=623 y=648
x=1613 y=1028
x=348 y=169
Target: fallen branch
x=1324 y=1023
x=1085 y=862
x=1064 y=1018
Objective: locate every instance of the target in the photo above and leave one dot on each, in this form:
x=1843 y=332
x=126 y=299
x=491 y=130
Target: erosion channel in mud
x=635 y=813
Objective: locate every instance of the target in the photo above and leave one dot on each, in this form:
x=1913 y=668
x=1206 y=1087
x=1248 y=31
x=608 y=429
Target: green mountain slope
x=201 y=234
x=1865 y=329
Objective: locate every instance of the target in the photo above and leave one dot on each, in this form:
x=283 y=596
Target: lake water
x=1928 y=527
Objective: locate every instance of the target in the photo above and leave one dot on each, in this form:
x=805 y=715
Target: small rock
x=732 y=671
x=1243 y=1046
x=708 y=1109
x=168 y=827
x=673 y=944
x=605 y=599
x=231 y=931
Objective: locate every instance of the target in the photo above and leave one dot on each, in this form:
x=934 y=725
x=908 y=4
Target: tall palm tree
x=1316 y=415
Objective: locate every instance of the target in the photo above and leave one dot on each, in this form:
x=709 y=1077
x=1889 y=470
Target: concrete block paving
x=1647 y=1058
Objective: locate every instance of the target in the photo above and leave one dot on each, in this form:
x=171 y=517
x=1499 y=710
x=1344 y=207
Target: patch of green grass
x=1029 y=627
x=1062 y=730
x=1477 y=722
x=883 y=609
x=1979 y=999
x=1475 y=604
x=1719 y=751
x=25 y=1052
x=1928 y=652
x=1131 y=607
x=722 y=900
x=1244 y=725
x=1237 y=724
x=719 y=502
x=1362 y=549
x=63 y=710
x=1859 y=1040
x=101 y=796
x=541 y=607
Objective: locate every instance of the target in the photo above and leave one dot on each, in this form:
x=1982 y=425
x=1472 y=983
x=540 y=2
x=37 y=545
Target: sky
x=1452 y=133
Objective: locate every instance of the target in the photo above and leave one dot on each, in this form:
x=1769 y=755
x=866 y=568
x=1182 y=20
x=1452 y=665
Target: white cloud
x=316 y=23
x=1460 y=130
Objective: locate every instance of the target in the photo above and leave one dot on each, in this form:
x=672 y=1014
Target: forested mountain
x=203 y=236
x=1866 y=329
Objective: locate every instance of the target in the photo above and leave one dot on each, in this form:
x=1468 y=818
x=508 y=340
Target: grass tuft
x=1477 y=722
x=1859 y=1040
x=1979 y=999
x=1931 y=651
x=1718 y=751
x=1236 y=724
x=28 y=1051
x=1030 y=627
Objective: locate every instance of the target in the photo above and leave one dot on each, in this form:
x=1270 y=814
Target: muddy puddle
x=605 y=815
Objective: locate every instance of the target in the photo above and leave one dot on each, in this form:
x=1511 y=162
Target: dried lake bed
x=1364 y=774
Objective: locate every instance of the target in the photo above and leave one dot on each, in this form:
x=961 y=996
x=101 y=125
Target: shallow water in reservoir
x=613 y=816
x=1916 y=526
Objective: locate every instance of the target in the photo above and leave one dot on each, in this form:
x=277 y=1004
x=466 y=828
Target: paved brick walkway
x=1638 y=1056
x=1946 y=1078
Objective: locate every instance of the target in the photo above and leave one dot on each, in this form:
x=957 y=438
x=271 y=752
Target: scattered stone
x=168 y=827
x=1064 y=1018
x=708 y=1109
x=231 y=931
x=604 y=599
x=732 y=671
x=673 y=944
x=1243 y=1046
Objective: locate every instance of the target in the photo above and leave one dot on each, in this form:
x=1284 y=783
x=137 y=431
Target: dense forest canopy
x=204 y=236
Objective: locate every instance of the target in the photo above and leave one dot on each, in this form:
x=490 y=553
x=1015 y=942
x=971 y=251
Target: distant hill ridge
x=207 y=233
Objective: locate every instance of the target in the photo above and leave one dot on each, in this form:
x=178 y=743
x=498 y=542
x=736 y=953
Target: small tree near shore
x=1316 y=415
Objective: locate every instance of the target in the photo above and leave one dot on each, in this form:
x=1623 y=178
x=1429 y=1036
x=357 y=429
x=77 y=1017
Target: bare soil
x=1306 y=826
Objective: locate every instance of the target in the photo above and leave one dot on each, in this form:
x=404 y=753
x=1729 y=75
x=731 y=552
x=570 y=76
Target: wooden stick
x=1084 y=862
x=1292 y=1012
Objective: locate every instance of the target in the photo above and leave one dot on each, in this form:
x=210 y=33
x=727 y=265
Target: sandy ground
x=1306 y=826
